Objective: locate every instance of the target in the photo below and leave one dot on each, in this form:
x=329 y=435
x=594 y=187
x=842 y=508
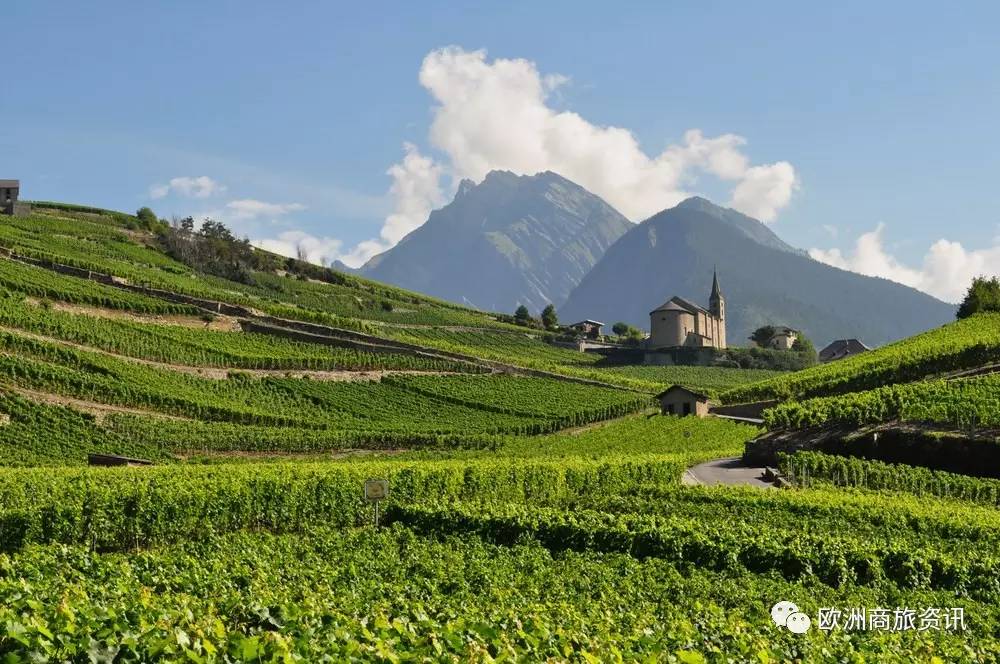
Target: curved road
x=730 y=470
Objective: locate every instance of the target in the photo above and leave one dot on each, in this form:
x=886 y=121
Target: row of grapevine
x=816 y=468
x=293 y=402
x=752 y=547
x=964 y=403
x=128 y=507
x=178 y=344
x=968 y=343
x=334 y=595
x=41 y=283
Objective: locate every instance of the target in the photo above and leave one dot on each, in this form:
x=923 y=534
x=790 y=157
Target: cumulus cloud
x=249 y=208
x=415 y=191
x=299 y=244
x=496 y=115
x=188 y=187
x=945 y=272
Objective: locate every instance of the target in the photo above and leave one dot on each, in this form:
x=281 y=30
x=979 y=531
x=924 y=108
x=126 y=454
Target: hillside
x=765 y=281
x=507 y=241
x=535 y=510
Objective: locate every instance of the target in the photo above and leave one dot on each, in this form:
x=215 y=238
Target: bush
x=983 y=295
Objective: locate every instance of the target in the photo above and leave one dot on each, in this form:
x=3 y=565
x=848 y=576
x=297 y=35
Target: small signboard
x=376 y=490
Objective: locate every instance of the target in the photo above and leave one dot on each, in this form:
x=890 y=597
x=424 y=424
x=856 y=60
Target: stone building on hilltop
x=679 y=323
x=9 y=191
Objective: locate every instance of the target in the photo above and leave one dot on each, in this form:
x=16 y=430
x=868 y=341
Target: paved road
x=730 y=470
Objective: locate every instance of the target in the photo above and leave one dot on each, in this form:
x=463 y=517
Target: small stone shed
x=679 y=400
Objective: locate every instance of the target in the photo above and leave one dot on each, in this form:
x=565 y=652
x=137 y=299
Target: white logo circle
x=781 y=611
x=798 y=623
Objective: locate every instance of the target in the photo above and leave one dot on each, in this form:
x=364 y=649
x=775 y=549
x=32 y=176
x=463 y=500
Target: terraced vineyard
x=184 y=345
x=99 y=246
x=966 y=344
x=958 y=403
x=528 y=518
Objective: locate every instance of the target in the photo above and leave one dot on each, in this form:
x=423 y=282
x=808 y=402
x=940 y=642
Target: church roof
x=677 y=303
x=716 y=291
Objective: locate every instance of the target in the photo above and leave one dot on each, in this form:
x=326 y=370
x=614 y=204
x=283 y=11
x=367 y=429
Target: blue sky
x=885 y=112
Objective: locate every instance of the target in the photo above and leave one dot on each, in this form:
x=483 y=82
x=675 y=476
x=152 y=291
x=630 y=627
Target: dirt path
x=729 y=471
x=220 y=323
x=221 y=373
x=97 y=409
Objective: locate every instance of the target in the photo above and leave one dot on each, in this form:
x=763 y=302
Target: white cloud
x=189 y=187
x=946 y=271
x=764 y=190
x=415 y=191
x=249 y=208
x=295 y=244
x=495 y=115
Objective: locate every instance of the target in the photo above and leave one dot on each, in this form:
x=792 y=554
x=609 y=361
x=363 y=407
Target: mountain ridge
x=765 y=281
x=510 y=240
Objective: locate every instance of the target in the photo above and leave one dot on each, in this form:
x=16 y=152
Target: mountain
x=509 y=240
x=764 y=281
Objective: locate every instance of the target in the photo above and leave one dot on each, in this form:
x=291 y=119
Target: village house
x=588 y=328
x=679 y=323
x=679 y=400
x=8 y=195
x=784 y=338
x=842 y=348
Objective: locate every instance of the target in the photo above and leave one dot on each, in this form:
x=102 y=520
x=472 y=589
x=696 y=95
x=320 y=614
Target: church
x=679 y=323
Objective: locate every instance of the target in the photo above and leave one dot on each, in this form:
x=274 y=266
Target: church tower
x=717 y=307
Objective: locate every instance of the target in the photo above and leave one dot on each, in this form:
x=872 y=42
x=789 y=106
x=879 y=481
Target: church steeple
x=716 y=302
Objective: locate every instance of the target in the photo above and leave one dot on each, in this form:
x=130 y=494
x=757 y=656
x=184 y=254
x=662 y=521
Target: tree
x=549 y=318
x=633 y=336
x=620 y=328
x=763 y=335
x=147 y=217
x=983 y=295
x=521 y=316
x=802 y=344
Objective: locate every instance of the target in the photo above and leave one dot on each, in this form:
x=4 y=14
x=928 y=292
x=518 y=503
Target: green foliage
x=549 y=318
x=817 y=469
x=39 y=434
x=762 y=335
x=710 y=380
x=803 y=345
x=179 y=345
x=983 y=296
x=972 y=342
x=961 y=403
x=522 y=316
x=93 y=241
x=121 y=508
x=147 y=218
x=620 y=328
x=39 y=282
x=765 y=358
x=352 y=596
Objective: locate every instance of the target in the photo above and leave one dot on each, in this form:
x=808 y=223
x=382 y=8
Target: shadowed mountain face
x=764 y=281
x=507 y=241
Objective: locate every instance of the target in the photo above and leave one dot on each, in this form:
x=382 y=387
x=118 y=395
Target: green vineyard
x=966 y=344
x=539 y=507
